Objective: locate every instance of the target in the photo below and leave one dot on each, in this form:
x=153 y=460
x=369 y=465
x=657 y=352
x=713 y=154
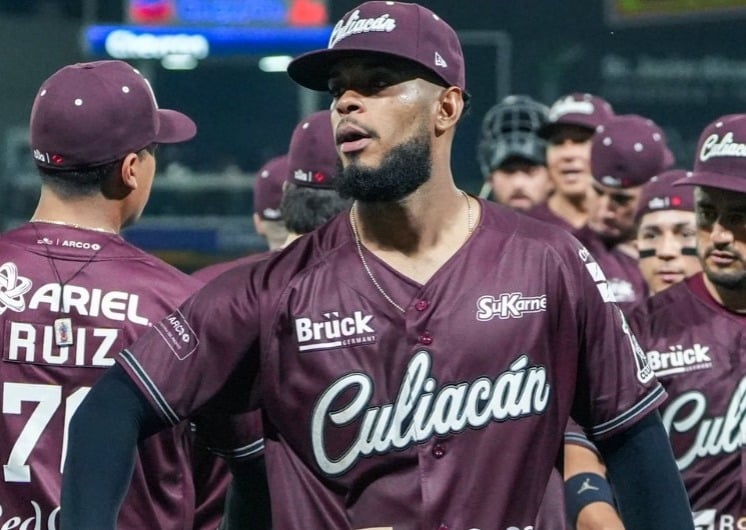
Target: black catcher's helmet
x=509 y=131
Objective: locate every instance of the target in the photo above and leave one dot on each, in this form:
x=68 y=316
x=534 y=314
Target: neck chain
x=50 y=259
x=61 y=223
x=359 y=246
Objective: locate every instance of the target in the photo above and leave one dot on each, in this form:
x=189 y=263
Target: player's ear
x=258 y=224
x=123 y=180
x=450 y=108
x=128 y=171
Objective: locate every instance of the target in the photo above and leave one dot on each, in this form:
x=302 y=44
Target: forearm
x=589 y=499
x=649 y=491
x=101 y=452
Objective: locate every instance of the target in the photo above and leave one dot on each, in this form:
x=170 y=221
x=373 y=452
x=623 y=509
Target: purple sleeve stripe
x=641 y=408
x=251 y=450
x=581 y=440
x=156 y=397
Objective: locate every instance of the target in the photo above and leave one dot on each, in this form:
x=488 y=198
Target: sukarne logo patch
x=509 y=305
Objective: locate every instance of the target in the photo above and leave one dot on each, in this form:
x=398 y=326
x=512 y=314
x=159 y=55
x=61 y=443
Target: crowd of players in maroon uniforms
x=643 y=258
x=631 y=207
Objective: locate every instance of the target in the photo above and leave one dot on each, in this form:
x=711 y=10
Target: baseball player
x=417 y=357
x=308 y=200
x=666 y=240
x=74 y=292
x=511 y=156
x=267 y=216
x=692 y=333
x=626 y=152
x=666 y=231
x=573 y=119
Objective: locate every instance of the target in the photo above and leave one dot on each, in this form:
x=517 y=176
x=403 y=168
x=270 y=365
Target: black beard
x=732 y=281
x=729 y=281
x=404 y=170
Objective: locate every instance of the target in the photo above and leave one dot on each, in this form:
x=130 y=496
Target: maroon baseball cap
x=669 y=159
x=268 y=188
x=312 y=156
x=720 y=160
x=661 y=194
x=579 y=109
x=89 y=114
x=405 y=30
x=626 y=152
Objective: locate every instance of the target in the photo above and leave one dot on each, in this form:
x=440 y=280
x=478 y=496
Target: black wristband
x=583 y=489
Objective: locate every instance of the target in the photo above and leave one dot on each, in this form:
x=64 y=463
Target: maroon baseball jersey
x=211 y=473
x=552 y=513
x=622 y=271
x=216 y=269
x=542 y=212
x=434 y=416
x=697 y=349
x=217 y=440
x=240 y=438
x=70 y=300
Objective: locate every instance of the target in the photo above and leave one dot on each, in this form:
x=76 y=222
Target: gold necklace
x=359 y=246
x=50 y=259
x=63 y=326
x=62 y=223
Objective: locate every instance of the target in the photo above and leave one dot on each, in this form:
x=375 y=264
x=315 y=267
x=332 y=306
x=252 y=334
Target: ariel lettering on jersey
x=421 y=410
x=119 y=306
x=512 y=305
x=678 y=359
x=355 y=25
x=38 y=521
x=334 y=331
x=709 y=520
x=686 y=415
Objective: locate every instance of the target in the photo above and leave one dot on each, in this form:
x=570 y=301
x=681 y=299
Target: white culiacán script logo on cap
x=568 y=105
x=355 y=25
x=714 y=147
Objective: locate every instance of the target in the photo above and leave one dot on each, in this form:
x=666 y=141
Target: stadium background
x=680 y=62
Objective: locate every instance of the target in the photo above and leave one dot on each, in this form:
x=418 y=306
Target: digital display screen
x=228 y=12
x=663 y=10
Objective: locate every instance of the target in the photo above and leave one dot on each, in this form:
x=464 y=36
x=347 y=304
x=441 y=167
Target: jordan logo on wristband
x=587 y=486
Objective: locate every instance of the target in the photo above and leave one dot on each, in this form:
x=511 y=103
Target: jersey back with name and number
x=70 y=299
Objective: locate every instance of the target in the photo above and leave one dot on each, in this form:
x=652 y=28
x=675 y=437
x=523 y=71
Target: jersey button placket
x=426 y=338
x=438 y=450
x=421 y=305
